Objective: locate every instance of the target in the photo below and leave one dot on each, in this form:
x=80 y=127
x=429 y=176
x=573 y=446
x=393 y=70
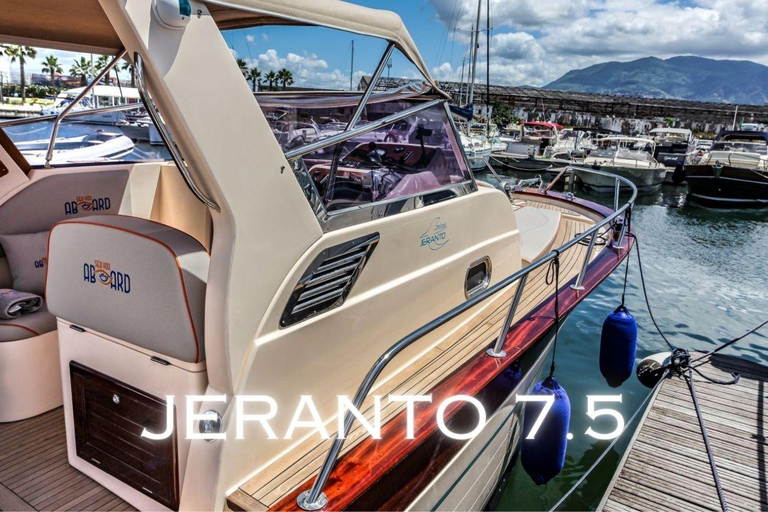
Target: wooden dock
x=666 y=467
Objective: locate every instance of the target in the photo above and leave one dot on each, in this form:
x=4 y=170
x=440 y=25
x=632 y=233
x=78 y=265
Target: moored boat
x=629 y=157
x=733 y=174
x=673 y=145
x=196 y=307
x=96 y=146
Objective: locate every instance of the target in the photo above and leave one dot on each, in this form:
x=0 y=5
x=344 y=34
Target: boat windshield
x=303 y=118
x=741 y=147
x=628 y=149
x=416 y=155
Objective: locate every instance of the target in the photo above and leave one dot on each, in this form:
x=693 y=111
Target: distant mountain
x=688 y=78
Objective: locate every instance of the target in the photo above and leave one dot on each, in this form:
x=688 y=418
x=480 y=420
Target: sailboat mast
x=352 y=65
x=475 y=45
x=488 y=67
x=461 y=82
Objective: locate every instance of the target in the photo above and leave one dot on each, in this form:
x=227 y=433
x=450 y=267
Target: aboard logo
x=435 y=237
x=101 y=272
x=87 y=204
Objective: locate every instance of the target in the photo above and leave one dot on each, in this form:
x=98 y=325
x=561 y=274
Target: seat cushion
x=27 y=326
x=132 y=279
x=538 y=227
x=26 y=256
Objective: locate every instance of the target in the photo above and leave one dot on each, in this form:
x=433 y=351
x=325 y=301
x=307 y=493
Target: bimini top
x=81 y=25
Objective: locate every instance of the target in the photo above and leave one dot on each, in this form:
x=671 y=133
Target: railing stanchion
x=497 y=350
x=578 y=285
x=617 y=187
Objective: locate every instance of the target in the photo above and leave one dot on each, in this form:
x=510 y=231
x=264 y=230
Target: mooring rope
x=680 y=362
x=715 y=475
x=645 y=291
x=612 y=444
x=554 y=268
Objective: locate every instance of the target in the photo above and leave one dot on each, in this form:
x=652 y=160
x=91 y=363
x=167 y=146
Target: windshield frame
x=359 y=214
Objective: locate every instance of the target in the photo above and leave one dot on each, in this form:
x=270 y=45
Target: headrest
x=132 y=279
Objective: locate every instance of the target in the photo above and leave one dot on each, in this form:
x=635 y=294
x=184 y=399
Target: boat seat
x=27 y=326
x=135 y=280
x=538 y=228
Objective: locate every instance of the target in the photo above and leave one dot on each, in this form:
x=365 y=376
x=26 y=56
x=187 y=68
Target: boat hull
x=645 y=179
x=727 y=186
x=469 y=480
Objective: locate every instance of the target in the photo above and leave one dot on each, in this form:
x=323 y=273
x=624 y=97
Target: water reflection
x=706 y=279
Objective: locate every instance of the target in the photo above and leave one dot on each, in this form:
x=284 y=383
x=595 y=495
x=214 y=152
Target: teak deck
x=666 y=466
x=274 y=483
x=35 y=473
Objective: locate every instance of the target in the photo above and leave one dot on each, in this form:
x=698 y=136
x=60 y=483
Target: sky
x=533 y=42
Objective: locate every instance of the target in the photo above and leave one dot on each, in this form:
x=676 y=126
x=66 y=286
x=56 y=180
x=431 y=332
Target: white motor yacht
x=96 y=146
x=629 y=157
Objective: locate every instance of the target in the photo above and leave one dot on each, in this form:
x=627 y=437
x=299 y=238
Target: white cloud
x=535 y=44
x=250 y=38
x=308 y=69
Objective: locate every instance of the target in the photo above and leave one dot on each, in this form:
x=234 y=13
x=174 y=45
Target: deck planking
x=301 y=463
x=35 y=473
x=666 y=465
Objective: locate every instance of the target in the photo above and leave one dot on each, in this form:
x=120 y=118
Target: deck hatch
x=329 y=279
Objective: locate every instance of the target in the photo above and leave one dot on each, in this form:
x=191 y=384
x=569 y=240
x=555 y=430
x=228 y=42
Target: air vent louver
x=329 y=279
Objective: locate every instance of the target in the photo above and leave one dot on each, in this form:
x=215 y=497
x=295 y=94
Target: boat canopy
x=81 y=25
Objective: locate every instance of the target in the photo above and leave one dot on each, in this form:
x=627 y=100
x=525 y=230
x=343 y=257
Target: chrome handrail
x=315 y=499
x=165 y=134
x=78 y=99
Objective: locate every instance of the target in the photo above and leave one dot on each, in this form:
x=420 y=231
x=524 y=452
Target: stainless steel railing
x=77 y=100
x=315 y=498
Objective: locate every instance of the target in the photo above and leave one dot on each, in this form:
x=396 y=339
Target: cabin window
x=415 y=156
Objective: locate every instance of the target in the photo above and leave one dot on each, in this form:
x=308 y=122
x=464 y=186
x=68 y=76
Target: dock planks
x=35 y=473
x=666 y=467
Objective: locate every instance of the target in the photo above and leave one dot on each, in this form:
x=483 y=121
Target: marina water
x=705 y=270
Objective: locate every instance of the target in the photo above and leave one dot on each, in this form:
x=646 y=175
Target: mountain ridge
x=683 y=77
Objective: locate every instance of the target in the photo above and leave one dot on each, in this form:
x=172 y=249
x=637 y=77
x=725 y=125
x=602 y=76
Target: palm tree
x=243 y=67
x=285 y=77
x=83 y=69
x=51 y=65
x=101 y=63
x=21 y=53
x=271 y=79
x=127 y=66
x=254 y=76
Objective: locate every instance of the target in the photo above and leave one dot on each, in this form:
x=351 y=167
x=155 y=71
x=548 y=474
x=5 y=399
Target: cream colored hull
x=470 y=479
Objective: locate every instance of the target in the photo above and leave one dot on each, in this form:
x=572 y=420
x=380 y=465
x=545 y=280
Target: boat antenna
x=352 y=65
